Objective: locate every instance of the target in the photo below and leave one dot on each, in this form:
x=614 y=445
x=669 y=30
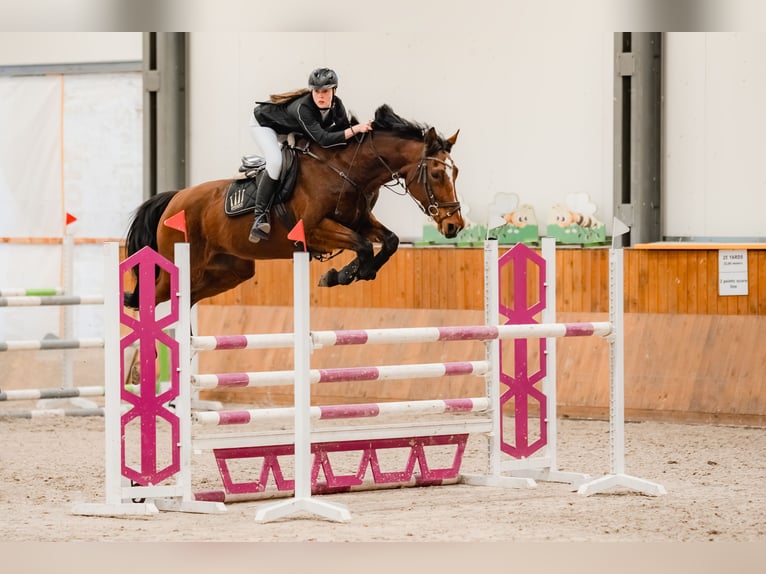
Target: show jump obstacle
x=161 y=479
x=51 y=401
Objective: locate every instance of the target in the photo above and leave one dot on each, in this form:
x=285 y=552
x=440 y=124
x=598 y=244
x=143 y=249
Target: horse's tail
x=143 y=232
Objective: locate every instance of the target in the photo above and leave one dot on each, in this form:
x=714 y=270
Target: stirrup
x=261 y=228
x=262 y=222
x=256 y=235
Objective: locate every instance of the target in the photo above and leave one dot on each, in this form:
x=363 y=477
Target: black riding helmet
x=323 y=79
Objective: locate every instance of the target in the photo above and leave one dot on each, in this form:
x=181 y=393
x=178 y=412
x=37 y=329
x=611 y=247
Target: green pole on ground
x=163 y=354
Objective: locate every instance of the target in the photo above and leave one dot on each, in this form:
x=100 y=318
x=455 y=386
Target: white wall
x=534 y=110
x=715 y=135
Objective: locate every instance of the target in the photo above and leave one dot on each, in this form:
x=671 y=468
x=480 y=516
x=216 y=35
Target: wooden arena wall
x=690 y=354
x=678 y=280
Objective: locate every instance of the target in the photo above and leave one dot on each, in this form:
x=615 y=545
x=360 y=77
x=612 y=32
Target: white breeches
x=266 y=139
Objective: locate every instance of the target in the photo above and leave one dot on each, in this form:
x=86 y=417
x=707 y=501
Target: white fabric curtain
x=68 y=144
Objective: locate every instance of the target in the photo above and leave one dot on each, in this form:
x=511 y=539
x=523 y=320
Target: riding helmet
x=323 y=79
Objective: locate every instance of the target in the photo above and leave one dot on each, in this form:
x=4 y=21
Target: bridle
x=422 y=177
x=420 y=174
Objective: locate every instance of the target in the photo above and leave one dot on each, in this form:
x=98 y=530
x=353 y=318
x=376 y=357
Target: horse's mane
x=387 y=120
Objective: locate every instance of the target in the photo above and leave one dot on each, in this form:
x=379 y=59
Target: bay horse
x=334 y=194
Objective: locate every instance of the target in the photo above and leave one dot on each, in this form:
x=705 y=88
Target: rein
x=340 y=172
x=337 y=170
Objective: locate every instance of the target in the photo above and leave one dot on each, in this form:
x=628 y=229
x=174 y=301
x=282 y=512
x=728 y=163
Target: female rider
x=317 y=113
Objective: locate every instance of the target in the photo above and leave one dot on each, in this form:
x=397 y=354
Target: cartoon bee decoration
x=523 y=216
x=564 y=218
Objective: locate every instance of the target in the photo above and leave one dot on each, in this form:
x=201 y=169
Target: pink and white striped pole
x=352 y=411
x=337 y=375
x=460 y=333
x=405 y=335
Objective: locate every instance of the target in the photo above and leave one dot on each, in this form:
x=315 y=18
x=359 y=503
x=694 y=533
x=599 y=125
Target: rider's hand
x=362 y=128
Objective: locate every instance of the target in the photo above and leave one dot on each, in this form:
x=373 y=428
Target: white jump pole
x=112 y=386
x=182 y=499
x=67 y=266
x=196 y=402
x=302 y=499
x=617 y=476
x=66 y=331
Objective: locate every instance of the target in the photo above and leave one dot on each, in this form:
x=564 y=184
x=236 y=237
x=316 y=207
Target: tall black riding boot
x=261 y=223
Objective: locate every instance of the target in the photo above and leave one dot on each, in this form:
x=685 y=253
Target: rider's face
x=323 y=98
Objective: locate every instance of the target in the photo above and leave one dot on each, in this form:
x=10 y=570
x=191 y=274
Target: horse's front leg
x=389 y=243
x=330 y=236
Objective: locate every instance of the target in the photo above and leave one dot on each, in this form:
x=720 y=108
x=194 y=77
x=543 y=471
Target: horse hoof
x=329 y=279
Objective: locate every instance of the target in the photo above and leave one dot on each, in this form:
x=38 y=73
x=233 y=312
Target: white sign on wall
x=732 y=272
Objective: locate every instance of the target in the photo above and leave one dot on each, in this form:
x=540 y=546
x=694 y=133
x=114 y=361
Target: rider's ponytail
x=287 y=97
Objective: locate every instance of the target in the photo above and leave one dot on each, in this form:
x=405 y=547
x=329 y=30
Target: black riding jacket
x=302 y=115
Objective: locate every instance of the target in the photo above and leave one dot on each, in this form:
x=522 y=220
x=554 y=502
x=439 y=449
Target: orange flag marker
x=297 y=233
x=69 y=218
x=178 y=221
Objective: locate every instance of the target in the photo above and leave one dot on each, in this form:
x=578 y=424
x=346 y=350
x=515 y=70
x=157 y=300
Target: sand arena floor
x=713 y=474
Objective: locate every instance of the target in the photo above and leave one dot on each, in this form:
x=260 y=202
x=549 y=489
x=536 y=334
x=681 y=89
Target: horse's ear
x=432 y=140
x=451 y=141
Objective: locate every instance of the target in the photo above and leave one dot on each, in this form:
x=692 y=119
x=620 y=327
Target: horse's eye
x=437 y=174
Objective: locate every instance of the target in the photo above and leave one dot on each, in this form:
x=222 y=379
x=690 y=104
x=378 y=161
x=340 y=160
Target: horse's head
x=431 y=182
x=428 y=170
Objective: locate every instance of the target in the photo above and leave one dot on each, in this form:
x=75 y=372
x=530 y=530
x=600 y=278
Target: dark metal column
x=164 y=112
x=638 y=135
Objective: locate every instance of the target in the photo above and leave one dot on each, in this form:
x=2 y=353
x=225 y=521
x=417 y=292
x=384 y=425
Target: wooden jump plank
x=332 y=434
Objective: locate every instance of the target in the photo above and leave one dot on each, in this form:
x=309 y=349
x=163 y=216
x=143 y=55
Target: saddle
x=240 y=195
